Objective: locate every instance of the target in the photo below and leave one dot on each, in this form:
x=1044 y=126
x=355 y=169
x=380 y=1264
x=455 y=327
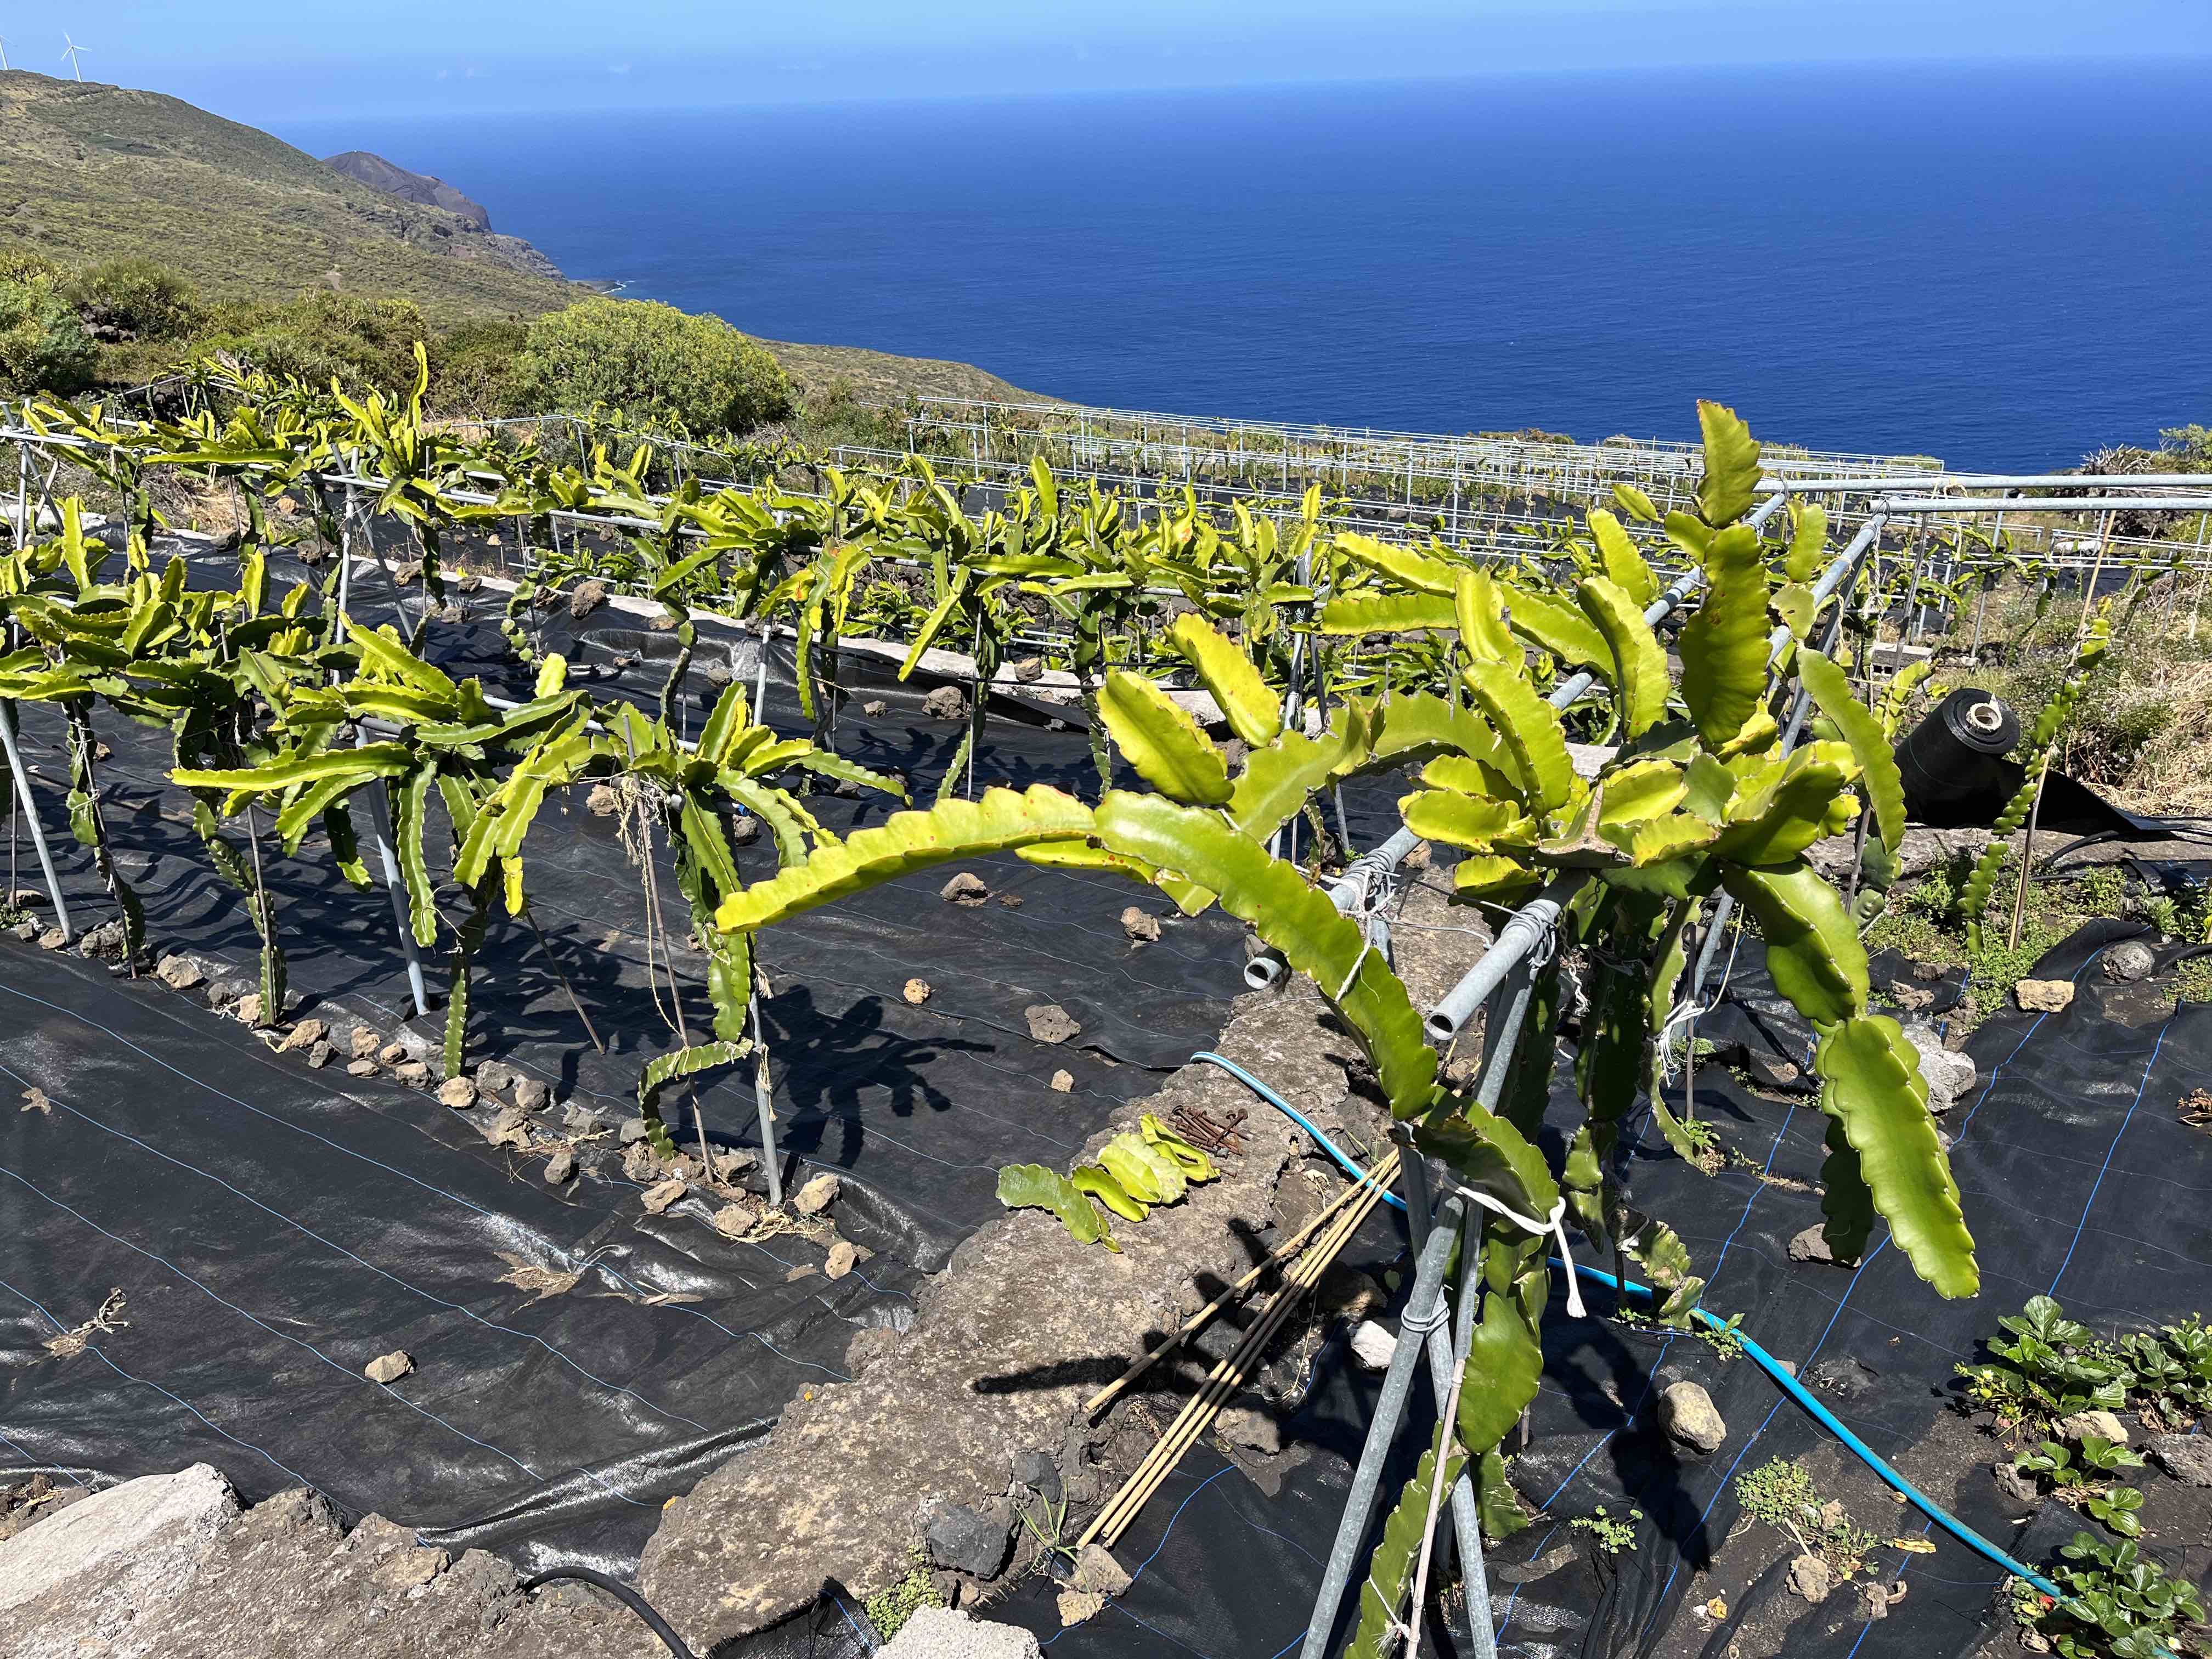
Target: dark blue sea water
x=2002 y=265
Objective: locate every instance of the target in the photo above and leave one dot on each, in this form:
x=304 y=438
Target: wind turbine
x=71 y=54
x=4 y=51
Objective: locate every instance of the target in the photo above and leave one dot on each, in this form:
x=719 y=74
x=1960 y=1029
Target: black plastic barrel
x=1953 y=761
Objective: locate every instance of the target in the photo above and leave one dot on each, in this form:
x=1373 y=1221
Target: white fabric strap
x=1555 y=1224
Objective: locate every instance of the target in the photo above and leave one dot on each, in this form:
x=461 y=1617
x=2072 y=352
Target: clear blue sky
x=257 y=60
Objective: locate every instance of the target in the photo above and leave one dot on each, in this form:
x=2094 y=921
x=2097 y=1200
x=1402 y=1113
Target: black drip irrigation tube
x=622 y=1592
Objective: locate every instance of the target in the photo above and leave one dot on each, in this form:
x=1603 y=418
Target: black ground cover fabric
x=2078 y=1181
x=919 y=1105
x=275 y=1227
x=272 y=1230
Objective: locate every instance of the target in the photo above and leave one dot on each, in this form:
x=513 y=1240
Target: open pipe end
x=1441 y=1026
x=1264 y=973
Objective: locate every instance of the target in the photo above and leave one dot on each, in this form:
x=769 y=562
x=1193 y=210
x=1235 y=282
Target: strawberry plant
x=2046 y=1367
x=2077 y=1477
x=2119 y=1604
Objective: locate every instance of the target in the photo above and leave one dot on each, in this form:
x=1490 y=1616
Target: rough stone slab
x=169 y=1567
x=1811 y=1245
x=147 y=1532
x=1050 y=1022
x=2128 y=960
x=835 y=1491
x=1689 y=1418
x=2185 y=1457
x=970 y=1540
x=2100 y=1423
x=1949 y=1073
x=942 y=1634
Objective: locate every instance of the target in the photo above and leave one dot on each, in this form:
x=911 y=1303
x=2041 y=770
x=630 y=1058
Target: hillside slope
x=90 y=172
x=880 y=376
x=394 y=180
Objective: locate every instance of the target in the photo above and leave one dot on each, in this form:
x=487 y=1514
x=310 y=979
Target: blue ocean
x=2003 y=266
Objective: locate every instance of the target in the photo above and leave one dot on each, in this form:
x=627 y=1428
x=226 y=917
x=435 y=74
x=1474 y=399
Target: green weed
x=1611 y=1537
x=888 y=1610
x=1781 y=1493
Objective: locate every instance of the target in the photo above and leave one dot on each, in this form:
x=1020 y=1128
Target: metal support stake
x=763 y=1092
x=31 y=814
x=760 y=678
x=1508 y=1012
x=2204 y=572
x=1425 y=1309
x=1466 y=1520
x=1413 y=1187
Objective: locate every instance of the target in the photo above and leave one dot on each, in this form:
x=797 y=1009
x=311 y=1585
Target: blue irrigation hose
x=1828 y=1420
x=1765 y=1361
x=1295 y=1116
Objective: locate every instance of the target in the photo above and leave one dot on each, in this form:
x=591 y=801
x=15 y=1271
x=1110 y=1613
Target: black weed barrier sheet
x=919 y=1104
x=273 y=1229
x=260 y=1233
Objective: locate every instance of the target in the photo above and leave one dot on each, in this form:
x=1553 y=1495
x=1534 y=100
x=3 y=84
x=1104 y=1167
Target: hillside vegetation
x=881 y=377
x=292 y=264
x=91 y=173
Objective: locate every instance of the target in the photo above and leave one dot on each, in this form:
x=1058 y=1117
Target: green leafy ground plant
x=2119 y=1604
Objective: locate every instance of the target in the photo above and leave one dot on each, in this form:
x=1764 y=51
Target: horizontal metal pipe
x=1523 y=930
x=1980 y=481
x=1265 y=971
x=1897 y=504
x=1349 y=890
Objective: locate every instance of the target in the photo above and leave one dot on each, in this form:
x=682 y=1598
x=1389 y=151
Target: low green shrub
x=369 y=344
x=43 y=344
x=472 y=366
x=20 y=264
x=659 y=365
x=2047 y=1367
x=122 y=300
x=2120 y=1604
x=888 y=1610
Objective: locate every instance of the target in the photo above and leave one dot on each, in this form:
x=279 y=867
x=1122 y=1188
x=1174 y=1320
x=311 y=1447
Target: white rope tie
x=1366 y=945
x=1555 y=1224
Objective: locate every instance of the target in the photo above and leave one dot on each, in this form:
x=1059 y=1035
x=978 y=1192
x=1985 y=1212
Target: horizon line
x=1687 y=68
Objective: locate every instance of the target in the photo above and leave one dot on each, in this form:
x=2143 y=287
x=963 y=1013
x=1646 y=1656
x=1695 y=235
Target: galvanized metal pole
x=1427 y=1309
x=1467 y=1519
x=31 y=815
x=764 y=1097
x=2204 y=572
